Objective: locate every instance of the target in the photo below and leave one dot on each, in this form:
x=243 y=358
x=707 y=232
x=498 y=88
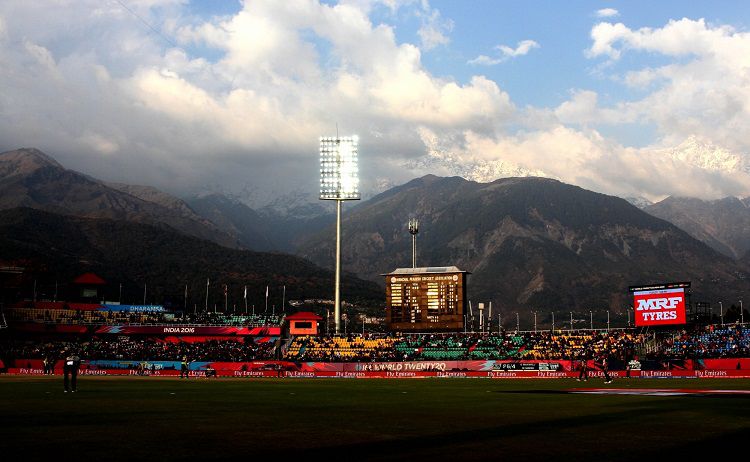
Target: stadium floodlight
x=339 y=181
x=339 y=173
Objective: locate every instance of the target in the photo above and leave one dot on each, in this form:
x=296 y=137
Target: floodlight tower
x=339 y=181
x=413 y=230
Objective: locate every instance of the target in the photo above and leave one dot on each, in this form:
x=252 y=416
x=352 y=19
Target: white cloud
x=276 y=75
x=677 y=38
x=522 y=49
x=587 y=159
x=506 y=53
x=702 y=90
x=434 y=29
x=484 y=60
x=607 y=13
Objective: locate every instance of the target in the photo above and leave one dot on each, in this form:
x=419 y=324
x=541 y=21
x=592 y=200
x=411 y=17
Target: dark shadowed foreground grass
x=346 y=419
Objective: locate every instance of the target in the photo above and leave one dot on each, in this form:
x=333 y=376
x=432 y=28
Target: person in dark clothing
x=184 y=367
x=70 y=372
x=584 y=373
x=605 y=369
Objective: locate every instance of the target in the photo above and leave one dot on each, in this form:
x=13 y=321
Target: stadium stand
x=110 y=344
x=713 y=342
x=62 y=313
x=142 y=349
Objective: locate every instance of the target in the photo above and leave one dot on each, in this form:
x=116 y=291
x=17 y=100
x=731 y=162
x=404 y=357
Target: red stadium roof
x=89 y=278
x=304 y=316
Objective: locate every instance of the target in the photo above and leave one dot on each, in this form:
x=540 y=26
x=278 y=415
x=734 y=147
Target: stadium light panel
x=339 y=173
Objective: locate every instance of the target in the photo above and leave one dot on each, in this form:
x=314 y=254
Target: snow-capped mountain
x=640 y=202
x=482 y=171
x=703 y=154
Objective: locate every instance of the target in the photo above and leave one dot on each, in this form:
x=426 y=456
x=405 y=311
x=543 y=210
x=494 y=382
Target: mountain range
x=722 y=224
x=57 y=248
x=530 y=243
x=30 y=178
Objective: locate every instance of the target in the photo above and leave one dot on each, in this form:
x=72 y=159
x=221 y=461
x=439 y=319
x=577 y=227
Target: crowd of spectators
x=105 y=317
x=620 y=345
x=711 y=342
x=129 y=349
x=615 y=344
x=349 y=348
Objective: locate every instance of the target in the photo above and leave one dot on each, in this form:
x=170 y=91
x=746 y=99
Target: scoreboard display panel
x=425 y=299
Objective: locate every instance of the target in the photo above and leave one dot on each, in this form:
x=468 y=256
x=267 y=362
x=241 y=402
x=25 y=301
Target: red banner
x=164 y=329
x=595 y=375
x=189 y=330
x=659 y=307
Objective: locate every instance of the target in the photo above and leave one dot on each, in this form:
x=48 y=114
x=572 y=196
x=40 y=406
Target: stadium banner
x=723 y=363
x=133 y=308
x=160 y=330
x=649 y=368
x=189 y=330
x=444 y=366
x=596 y=375
x=659 y=307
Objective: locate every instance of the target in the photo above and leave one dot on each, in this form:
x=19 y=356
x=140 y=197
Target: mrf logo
x=655 y=307
x=659 y=303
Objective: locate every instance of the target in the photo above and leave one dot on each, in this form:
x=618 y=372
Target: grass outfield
x=437 y=419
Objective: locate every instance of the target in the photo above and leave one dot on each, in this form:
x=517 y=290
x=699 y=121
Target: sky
x=232 y=96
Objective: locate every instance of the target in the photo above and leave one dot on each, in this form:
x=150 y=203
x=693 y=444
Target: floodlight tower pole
x=337 y=297
x=339 y=181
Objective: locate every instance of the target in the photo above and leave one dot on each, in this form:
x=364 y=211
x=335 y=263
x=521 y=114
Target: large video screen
x=659 y=306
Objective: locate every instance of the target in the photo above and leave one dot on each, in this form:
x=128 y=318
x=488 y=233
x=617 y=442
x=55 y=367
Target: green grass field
x=436 y=419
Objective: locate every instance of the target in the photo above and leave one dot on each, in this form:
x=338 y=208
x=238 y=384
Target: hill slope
x=722 y=224
x=58 y=248
x=529 y=242
x=30 y=178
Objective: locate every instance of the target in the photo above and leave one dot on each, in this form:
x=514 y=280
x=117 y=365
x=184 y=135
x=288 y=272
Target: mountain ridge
x=30 y=178
x=529 y=242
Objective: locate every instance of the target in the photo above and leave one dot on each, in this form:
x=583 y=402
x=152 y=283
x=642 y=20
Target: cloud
x=590 y=160
x=522 y=49
x=434 y=29
x=702 y=89
x=678 y=38
x=607 y=13
x=506 y=53
x=242 y=99
x=247 y=108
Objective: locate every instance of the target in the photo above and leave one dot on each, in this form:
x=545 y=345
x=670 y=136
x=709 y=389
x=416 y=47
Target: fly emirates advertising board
x=660 y=306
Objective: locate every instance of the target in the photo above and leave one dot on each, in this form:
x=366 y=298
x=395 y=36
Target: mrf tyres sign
x=661 y=306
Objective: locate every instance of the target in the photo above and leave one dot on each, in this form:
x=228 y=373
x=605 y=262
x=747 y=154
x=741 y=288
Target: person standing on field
x=584 y=373
x=184 y=370
x=70 y=372
x=605 y=369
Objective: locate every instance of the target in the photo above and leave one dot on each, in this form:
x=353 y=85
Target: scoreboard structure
x=660 y=304
x=425 y=299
